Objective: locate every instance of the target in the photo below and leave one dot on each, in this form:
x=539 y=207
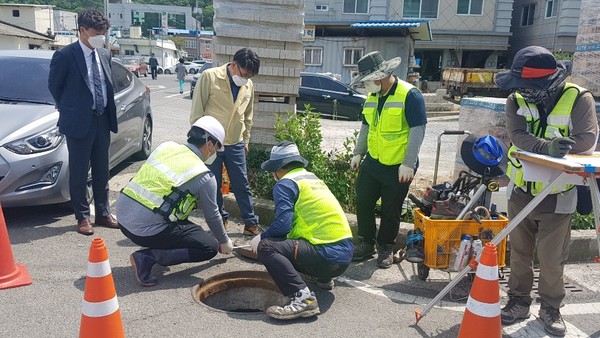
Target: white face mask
x=371 y=87
x=239 y=81
x=97 y=41
x=210 y=159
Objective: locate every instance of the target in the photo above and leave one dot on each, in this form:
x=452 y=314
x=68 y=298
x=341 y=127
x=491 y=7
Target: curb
x=583 y=248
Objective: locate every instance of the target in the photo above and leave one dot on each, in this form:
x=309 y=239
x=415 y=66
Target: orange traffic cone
x=100 y=314
x=11 y=274
x=482 y=315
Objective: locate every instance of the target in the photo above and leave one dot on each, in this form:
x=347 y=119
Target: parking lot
x=366 y=301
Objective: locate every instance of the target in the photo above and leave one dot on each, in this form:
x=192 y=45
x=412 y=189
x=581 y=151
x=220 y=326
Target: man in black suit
x=80 y=82
x=153 y=66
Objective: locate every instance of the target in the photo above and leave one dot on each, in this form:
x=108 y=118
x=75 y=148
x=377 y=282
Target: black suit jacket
x=69 y=84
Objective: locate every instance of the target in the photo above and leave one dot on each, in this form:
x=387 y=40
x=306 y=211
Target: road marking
x=530 y=325
x=170 y=96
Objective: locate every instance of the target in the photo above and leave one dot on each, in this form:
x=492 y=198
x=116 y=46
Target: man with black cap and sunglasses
x=549 y=116
x=310 y=234
x=390 y=138
x=154 y=206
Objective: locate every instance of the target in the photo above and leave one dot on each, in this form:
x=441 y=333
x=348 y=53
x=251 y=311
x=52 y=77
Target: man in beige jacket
x=227 y=93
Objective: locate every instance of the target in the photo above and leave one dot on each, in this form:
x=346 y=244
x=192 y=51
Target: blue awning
x=419 y=28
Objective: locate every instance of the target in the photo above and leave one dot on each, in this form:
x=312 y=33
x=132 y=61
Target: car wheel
x=146 y=141
x=159 y=71
x=168 y=72
x=192 y=71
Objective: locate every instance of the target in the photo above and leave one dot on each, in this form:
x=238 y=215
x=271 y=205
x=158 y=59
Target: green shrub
x=582 y=222
x=332 y=167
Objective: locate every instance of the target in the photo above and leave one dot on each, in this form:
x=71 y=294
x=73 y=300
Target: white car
x=191 y=67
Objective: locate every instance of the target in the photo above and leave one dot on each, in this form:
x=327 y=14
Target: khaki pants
x=553 y=234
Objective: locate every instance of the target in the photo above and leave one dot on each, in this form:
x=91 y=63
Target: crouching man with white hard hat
x=154 y=206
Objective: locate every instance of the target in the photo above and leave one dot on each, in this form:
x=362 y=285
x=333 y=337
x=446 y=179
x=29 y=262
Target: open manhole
x=239 y=291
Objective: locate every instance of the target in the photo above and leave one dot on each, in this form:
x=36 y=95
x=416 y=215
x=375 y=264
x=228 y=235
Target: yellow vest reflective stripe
x=558 y=125
x=388 y=131
x=167 y=168
x=318 y=216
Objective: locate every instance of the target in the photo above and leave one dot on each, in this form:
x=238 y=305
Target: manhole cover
x=239 y=291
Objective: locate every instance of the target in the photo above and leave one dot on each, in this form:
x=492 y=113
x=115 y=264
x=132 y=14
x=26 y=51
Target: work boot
x=302 y=304
x=252 y=230
x=517 y=308
x=554 y=325
x=143 y=261
x=385 y=256
x=363 y=250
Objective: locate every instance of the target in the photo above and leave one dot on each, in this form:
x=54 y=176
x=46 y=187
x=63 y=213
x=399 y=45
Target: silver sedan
x=34 y=162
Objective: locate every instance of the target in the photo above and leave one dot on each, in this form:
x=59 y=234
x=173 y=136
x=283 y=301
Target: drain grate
x=505 y=273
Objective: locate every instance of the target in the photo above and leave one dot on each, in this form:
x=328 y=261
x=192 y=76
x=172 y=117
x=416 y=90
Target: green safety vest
x=388 y=131
x=318 y=216
x=558 y=125
x=155 y=184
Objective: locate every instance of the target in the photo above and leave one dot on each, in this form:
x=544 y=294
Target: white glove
x=226 y=248
x=355 y=162
x=405 y=174
x=254 y=243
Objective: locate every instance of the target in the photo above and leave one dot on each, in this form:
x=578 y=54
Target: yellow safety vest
x=155 y=184
x=558 y=125
x=388 y=131
x=318 y=216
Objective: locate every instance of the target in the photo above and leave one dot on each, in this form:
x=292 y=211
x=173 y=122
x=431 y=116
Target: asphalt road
x=366 y=301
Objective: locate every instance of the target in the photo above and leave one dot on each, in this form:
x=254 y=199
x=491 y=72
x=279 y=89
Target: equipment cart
x=442 y=239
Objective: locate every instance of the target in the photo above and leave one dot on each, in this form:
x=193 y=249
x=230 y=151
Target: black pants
x=201 y=245
x=376 y=180
x=153 y=71
x=284 y=258
x=91 y=150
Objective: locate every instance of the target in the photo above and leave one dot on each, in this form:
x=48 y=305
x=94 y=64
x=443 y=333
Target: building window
x=527 y=15
x=470 y=7
x=551 y=8
x=352 y=55
x=420 y=9
x=16 y=13
x=313 y=56
x=356 y=6
x=321 y=8
x=129 y=52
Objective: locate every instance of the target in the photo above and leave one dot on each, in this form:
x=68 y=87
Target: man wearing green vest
x=310 y=234
x=154 y=206
x=548 y=116
x=390 y=137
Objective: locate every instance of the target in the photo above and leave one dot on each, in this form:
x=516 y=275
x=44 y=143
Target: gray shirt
x=181 y=71
x=142 y=221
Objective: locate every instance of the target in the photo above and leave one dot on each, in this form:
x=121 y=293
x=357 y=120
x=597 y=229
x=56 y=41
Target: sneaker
x=252 y=230
x=363 y=250
x=517 y=308
x=554 y=325
x=301 y=305
x=385 y=256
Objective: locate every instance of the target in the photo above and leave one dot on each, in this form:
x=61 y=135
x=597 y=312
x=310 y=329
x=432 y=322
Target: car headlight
x=44 y=141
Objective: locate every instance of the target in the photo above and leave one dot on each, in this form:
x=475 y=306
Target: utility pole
x=107 y=34
x=198 y=33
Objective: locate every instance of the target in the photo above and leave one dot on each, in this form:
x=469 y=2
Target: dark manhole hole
x=239 y=291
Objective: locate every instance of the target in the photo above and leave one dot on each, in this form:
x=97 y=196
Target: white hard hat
x=213 y=127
